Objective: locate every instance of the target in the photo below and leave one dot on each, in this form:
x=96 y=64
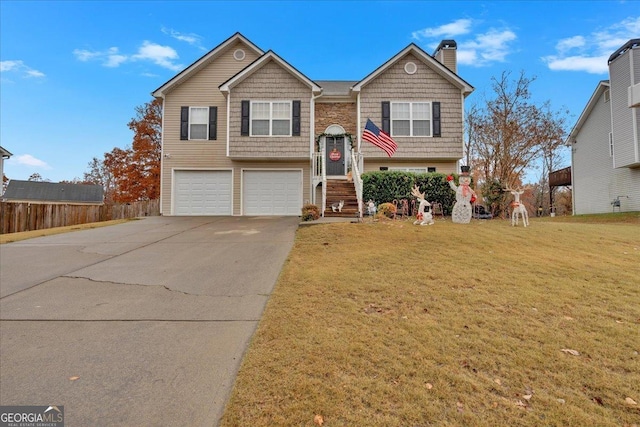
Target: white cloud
x=192 y=39
x=590 y=53
x=158 y=54
x=163 y=56
x=29 y=160
x=486 y=48
x=492 y=46
x=455 y=28
x=478 y=50
x=570 y=43
x=109 y=58
x=19 y=67
x=593 y=64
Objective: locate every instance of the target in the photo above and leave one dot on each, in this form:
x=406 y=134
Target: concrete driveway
x=139 y=324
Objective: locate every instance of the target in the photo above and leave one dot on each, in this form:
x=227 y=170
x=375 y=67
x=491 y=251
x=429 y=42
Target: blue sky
x=72 y=73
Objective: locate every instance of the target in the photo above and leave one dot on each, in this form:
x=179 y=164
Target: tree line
x=133 y=173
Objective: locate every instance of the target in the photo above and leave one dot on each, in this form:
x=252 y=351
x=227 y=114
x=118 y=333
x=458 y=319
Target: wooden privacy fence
x=16 y=217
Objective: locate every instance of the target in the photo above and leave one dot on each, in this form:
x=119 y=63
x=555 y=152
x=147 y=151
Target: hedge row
x=383 y=187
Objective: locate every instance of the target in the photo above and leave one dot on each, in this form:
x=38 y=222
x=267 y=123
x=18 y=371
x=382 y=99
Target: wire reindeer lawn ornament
x=518 y=208
x=424 y=215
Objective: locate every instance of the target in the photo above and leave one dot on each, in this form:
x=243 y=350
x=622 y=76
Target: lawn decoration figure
x=371 y=208
x=337 y=207
x=424 y=216
x=518 y=208
x=465 y=196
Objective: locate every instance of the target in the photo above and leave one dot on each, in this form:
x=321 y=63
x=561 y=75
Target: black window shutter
x=435 y=106
x=213 y=123
x=386 y=116
x=295 y=122
x=244 y=127
x=184 y=123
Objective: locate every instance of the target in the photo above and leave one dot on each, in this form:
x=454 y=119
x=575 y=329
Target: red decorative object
x=335 y=155
x=473 y=198
x=449 y=178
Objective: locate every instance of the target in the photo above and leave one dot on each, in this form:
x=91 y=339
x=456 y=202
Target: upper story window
x=411 y=119
x=271 y=118
x=198 y=122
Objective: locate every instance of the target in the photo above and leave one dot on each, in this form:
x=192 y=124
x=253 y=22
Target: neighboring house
x=49 y=192
x=4 y=155
x=605 y=141
x=246 y=133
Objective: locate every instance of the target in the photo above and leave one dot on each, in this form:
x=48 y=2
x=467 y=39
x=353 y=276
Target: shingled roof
x=35 y=191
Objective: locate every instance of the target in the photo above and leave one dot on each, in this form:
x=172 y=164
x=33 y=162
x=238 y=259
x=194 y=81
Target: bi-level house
x=605 y=142
x=246 y=133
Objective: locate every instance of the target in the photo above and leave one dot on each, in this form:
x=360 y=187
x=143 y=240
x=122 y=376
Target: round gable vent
x=239 y=55
x=410 y=67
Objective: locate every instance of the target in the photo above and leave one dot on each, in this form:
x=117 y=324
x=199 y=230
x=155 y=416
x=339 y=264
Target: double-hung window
x=271 y=118
x=198 y=122
x=411 y=119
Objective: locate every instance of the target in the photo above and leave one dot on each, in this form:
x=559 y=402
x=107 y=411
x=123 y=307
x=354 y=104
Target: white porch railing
x=320 y=176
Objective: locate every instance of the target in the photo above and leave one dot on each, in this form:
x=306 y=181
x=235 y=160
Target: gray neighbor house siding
x=605 y=150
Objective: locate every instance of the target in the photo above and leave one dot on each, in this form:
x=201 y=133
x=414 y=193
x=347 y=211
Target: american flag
x=379 y=138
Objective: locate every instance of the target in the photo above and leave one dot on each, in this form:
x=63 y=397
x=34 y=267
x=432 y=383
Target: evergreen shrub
x=385 y=186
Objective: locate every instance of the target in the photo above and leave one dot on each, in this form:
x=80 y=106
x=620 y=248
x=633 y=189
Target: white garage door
x=272 y=192
x=202 y=192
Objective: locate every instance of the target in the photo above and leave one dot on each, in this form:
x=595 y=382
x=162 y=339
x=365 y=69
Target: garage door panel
x=272 y=192
x=203 y=193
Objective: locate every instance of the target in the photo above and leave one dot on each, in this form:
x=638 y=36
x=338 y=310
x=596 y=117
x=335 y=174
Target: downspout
x=634 y=123
x=358 y=120
x=462 y=99
x=228 y=115
x=162 y=156
x=573 y=181
x=312 y=126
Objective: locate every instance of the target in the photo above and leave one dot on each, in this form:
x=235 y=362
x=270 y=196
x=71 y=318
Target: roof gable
x=427 y=59
x=593 y=101
x=5 y=153
x=205 y=59
x=259 y=63
x=53 y=192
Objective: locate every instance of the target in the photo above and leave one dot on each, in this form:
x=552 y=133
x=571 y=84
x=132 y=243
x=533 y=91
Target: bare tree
x=99 y=174
x=37 y=178
x=508 y=133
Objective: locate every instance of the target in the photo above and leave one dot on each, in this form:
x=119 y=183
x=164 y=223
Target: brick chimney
x=446 y=54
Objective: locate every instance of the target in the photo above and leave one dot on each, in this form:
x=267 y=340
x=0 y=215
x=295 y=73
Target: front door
x=335 y=155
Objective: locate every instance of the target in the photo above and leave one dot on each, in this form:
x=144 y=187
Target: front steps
x=341 y=189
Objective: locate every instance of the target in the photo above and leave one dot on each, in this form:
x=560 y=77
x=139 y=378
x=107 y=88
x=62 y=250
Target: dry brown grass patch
x=390 y=324
x=24 y=235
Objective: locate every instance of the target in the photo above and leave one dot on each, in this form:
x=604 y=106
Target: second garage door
x=272 y=192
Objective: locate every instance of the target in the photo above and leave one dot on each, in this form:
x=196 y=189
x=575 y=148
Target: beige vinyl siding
x=424 y=85
x=373 y=165
x=270 y=83
x=201 y=89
